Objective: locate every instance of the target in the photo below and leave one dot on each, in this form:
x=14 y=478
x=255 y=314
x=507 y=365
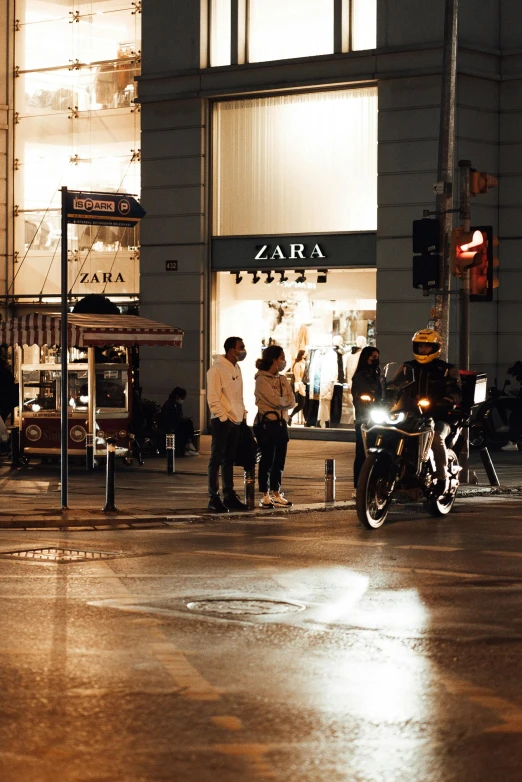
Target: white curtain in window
x=364 y=24
x=296 y=163
x=280 y=29
x=220 y=32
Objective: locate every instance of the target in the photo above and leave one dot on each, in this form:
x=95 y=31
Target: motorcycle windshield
x=397 y=378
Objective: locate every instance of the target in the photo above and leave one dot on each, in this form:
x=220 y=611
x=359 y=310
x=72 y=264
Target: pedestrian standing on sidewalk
x=227 y=409
x=274 y=397
x=366 y=391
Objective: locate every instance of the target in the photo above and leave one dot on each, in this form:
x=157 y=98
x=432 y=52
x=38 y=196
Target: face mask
x=281 y=365
x=374 y=362
x=241 y=355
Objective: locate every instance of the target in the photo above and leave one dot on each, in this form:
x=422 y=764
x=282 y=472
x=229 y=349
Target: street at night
x=288 y=647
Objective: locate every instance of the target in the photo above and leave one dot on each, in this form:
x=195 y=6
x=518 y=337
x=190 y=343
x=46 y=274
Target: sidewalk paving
x=147 y=496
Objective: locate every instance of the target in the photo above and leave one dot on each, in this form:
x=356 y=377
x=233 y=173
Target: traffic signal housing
x=483 y=273
x=474 y=250
x=481 y=182
x=426 y=246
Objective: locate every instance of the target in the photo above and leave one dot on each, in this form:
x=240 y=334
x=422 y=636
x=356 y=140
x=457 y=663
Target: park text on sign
x=87 y=205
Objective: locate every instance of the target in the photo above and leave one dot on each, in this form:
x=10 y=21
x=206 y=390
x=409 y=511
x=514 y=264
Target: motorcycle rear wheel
x=441 y=506
x=372 y=502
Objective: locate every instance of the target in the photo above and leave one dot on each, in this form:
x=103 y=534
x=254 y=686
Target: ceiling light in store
x=269 y=278
x=284 y=278
x=238 y=277
x=301 y=274
x=321 y=275
x=255 y=277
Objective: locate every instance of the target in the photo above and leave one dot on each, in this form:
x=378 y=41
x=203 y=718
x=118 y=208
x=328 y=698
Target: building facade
x=281 y=150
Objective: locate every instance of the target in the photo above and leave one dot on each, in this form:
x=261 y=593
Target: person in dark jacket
x=439 y=383
x=8 y=390
x=174 y=422
x=366 y=391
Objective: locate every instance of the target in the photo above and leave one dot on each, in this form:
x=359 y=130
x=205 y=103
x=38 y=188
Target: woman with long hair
x=274 y=397
x=298 y=371
x=366 y=390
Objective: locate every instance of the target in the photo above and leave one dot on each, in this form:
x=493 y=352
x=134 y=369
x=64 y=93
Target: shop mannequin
x=336 y=406
x=351 y=361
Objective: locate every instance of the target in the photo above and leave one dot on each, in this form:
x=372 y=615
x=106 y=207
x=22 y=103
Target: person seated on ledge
x=174 y=422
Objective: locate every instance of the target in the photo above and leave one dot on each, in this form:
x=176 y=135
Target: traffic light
x=481 y=182
x=465 y=247
x=483 y=279
x=426 y=246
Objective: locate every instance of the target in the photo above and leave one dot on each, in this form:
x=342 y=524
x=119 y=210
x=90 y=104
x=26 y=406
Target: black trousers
x=301 y=399
x=184 y=434
x=225 y=437
x=360 y=454
x=271 y=466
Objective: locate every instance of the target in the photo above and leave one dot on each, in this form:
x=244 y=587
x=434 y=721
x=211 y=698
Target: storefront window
x=330 y=321
x=296 y=163
x=280 y=29
x=77 y=126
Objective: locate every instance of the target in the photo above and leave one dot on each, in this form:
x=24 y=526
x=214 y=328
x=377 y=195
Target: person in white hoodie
x=227 y=411
x=274 y=397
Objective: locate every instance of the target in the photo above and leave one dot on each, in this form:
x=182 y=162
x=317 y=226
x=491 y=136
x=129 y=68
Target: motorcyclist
x=439 y=383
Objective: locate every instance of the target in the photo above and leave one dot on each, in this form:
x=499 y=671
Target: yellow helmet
x=426 y=337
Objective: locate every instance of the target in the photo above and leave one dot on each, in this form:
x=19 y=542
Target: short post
x=170 y=446
x=489 y=468
x=15 y=447
x=89 y=452
x=109 y=506
x=329 y=480
x=250 y=488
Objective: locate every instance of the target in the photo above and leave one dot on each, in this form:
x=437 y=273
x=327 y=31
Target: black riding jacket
x=437 y=381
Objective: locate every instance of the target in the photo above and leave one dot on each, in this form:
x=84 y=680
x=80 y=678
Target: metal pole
x=464 y=313
x=250 y=488
x=64 y=418
x=91 y=408
x=489 y=468
x=329 y=480
x=109 y=488
x=170 y=446
x=445 y=168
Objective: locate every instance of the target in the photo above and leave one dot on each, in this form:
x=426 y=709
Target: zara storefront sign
x=291 y=252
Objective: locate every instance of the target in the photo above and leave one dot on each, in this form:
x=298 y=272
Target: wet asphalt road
x=391 y=655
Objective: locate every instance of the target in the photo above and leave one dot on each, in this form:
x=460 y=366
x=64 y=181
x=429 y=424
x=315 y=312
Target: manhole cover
x=53 y=554
x=234 y=605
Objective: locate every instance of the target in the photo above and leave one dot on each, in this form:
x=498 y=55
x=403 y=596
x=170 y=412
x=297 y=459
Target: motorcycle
x=398 y=444
x=498 y=420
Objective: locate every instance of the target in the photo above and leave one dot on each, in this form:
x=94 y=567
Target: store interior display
x=330 y=321
x=77 y=126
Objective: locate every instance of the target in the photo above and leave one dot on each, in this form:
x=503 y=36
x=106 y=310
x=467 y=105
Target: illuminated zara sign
x=290 y=252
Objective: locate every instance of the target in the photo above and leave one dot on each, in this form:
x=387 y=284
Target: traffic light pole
x=464 y=302
x=445 y=168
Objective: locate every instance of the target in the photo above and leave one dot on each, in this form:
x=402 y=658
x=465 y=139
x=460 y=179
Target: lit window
x=220 y=25
x=281 y=29
x=296 y=163
x=364 y=24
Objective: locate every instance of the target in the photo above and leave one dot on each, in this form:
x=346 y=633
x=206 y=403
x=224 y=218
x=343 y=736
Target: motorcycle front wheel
x=441 y=506
x=374 y=492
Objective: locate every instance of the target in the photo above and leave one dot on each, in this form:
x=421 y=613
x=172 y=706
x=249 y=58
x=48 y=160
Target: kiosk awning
x=88 y=330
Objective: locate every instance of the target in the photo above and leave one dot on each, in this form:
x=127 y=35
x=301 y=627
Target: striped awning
x=87 y=330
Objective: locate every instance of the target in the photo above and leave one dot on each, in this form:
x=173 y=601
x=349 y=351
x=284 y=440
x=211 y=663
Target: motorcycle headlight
x=378 y=415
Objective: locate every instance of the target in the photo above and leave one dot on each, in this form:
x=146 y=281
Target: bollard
x=489 y=468
x=89 y=452
x=170 y=446
x=250 y=488
x=109 y=489
x=196 y=438
x=15 y=447
x=329 y=480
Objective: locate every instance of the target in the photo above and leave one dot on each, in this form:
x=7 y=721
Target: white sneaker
x=510 y=447
x=266 y=501
x=190 y=447
x=278 y=498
